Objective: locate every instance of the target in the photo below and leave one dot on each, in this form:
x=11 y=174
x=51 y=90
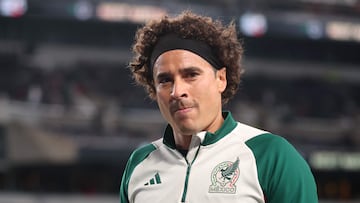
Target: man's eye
x=164 y=80
x=192 y=75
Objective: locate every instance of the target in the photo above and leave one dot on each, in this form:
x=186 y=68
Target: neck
x=182 y=141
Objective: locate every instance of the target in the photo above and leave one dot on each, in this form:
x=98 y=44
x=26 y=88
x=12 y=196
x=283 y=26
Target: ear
x=221 y=79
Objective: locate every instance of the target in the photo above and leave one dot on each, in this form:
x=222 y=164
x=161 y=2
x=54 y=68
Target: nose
x=178 y=89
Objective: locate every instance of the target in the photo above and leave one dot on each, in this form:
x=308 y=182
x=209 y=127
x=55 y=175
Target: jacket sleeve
x=135 y=159
x=283 y=173
x=124 y=185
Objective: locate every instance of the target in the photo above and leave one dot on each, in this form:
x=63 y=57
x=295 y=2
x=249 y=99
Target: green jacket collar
x=210 y=138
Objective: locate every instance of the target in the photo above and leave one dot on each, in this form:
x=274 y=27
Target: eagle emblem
x=224 y=177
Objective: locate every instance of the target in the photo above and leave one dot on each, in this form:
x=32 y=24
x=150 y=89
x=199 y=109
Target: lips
x=180 y=109
x=183 y=110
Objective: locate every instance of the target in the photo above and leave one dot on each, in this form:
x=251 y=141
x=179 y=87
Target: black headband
x=171 y=42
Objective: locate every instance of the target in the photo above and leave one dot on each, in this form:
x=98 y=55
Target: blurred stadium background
x=70 y=114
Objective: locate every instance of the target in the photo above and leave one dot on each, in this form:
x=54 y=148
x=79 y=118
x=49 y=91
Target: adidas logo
x=154 y=180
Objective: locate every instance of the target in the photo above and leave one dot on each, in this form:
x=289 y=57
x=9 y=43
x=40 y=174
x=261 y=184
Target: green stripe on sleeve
x=283 y=173
x=135 y=159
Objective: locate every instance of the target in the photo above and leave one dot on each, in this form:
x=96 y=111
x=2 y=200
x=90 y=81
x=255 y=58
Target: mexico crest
x=224 y=177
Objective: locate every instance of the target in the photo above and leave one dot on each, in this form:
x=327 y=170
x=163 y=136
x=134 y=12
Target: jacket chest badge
x=224 y=177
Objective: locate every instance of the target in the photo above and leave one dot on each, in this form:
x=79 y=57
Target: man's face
x=188 y=91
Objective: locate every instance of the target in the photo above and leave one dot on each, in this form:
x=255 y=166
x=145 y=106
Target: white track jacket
x=238 y=163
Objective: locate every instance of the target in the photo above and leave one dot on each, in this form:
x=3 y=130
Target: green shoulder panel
x=135 y=159
x=283 y=173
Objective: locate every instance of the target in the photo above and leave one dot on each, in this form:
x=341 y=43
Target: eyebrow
x=190 y=69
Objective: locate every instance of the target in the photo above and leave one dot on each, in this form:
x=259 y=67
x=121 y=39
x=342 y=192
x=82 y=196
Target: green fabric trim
x=228 y=125
x=183 y=198
x=210 y=138
x=283 y=173
x=169 y=139
x=135 y=159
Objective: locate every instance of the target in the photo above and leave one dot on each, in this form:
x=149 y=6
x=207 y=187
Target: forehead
x=179 y=58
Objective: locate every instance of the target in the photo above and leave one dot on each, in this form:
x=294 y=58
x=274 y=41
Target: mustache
x=181 y=104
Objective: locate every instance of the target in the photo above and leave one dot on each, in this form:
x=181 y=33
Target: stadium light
x=13 y=8
x=119 y=12
x=253 y=24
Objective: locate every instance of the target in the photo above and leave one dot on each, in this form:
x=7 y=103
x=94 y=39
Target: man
x=190 y=65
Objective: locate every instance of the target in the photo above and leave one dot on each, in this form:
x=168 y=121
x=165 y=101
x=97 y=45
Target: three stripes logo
x=154 y=180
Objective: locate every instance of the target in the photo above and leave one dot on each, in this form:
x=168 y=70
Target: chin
x=188 y=130
x=186 y=126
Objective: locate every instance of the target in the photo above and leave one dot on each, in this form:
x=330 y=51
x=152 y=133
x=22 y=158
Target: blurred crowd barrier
x=54 y=198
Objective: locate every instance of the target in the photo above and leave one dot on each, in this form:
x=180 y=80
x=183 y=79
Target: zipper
x=183 y=197
x=186 y=183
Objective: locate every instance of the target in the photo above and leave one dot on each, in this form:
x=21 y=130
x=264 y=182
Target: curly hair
x=222 y=39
